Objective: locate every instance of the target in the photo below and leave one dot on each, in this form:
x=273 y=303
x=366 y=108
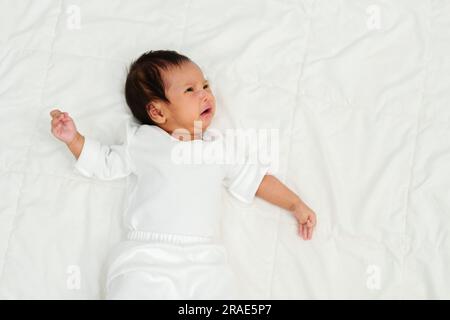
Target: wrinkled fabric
x=170 y=195
x=168 y=271
x=358 y=90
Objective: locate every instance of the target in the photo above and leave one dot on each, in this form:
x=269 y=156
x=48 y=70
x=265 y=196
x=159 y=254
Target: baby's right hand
x=63 y=126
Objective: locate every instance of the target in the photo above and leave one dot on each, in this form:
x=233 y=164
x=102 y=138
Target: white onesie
x=172 y=217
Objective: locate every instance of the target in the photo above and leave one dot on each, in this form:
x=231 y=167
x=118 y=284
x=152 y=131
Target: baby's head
x=167 y=89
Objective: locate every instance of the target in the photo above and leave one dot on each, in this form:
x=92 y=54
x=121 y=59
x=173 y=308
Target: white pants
x=157 y=270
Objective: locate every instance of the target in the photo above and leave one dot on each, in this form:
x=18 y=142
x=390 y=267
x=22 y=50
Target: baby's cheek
x=191 y=116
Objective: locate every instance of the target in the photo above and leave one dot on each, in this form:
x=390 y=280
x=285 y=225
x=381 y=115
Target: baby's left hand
x=306 y=220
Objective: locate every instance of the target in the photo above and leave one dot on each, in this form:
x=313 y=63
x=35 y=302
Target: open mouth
x=206 y=112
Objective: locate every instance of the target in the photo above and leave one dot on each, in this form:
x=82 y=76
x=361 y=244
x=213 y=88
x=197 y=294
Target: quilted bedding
x=358 y=90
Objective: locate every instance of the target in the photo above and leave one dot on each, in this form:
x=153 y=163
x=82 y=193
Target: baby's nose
x=203 y=94
x=206 y=98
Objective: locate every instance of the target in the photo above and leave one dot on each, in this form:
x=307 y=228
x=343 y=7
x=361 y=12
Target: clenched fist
x=63 y=126
x=306 y=219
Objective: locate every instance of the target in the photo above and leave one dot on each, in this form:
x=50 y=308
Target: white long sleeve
x=169 y=197
x=243 y=176
x=105 y=162
x=243 y=179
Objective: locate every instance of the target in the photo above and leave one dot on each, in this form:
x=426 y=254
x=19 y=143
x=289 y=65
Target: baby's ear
x=155 y=113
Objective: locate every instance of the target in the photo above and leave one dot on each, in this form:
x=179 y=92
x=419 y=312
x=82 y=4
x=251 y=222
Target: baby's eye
x=206 y=86
x=190 y=89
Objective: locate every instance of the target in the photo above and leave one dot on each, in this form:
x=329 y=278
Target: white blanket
x=359 y=91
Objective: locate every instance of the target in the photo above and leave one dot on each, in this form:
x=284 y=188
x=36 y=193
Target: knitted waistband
x=167 y=237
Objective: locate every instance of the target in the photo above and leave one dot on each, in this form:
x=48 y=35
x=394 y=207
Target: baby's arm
x=274 y=191
x=93 y=158
x=76 y=145
x=63 y=128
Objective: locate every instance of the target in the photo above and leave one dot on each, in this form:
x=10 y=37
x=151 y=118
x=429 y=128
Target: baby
x=172 y=249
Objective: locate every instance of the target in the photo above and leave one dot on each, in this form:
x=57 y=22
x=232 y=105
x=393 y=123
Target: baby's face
x=190 y=96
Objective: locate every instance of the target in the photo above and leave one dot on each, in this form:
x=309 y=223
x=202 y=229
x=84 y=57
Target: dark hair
x=145 y=83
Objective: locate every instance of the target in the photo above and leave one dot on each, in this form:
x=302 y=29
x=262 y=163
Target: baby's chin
x=207 y=115
x=206 y=119
x=204 y=126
